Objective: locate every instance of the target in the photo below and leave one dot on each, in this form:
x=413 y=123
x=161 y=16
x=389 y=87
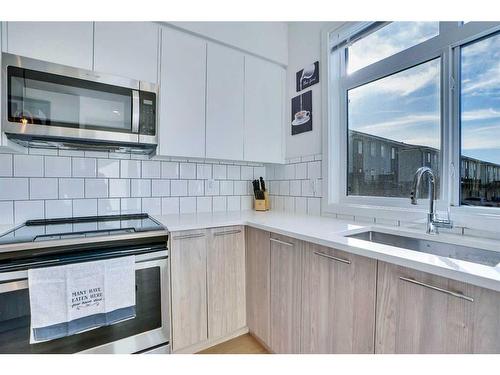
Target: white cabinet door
x=128 y=49
x=67 y=43
x=182 y=95
x=225 y=99
x=264 y=100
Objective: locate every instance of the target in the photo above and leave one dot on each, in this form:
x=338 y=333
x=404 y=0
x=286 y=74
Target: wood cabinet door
x=188 y=250
x=225 y=99
x=226 y=281
x=338 y=301
x=66 y=43
x=127 y=49
x=258 y=287
x=264 y=103
x=182 y=95
x=422 y=313
x=286 y=261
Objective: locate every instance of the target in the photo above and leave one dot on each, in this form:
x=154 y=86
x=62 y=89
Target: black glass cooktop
x=79 y=227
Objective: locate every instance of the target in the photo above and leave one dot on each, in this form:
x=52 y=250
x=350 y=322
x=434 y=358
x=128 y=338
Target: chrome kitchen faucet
x=433 y=222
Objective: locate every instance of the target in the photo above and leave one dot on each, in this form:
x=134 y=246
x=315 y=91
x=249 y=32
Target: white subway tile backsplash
x=187 y=205
x=6 y=165
x=246 y=173
x=289 y=204
x=84 y=207
x=289 y=171
x=241 y=187
x=301 y=171
x=178 y=188
x=274 y=187
x=160 y=188
x=301 y=205
x=233 y=172
x=246 y=202
x=108 y=206
x=277 y=203
x=188 y=171
x=233 y=203
x=28 y=166
x=82 y=167
x=14 y=188
x=108 y=168
x=119 y=188
x=71 y=188
x=220 y=171
x=259 y=172
x=130 y=205
x=58 y=208
x=195 y=187
x=27 y=210
x=169 y=169
x=96 y=188
x=307 y=188
x=203 y=171
x=169 y=206
x=6 y=212
x=307 y=158
x=295 y=188
x=314 y=170
x=130 y=168
x=314 y=206
x=219 y=204
x=151 y=206
x=151 y=169
x=140 y=188
x=43 y=188
x=204 y=204
x=57 y=166
x=212 y=187
x=284 y=188
x=226 y=187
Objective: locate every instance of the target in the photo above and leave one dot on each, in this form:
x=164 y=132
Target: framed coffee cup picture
x=302 y=113
x=307 y=77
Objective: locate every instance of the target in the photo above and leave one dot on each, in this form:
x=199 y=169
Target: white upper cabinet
x=128 y=49
x=182 y=95
x=67 y=43
x=264 y=103
x=225 y=103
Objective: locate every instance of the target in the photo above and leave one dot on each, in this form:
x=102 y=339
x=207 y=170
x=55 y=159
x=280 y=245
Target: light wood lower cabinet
x=338 y=301
x=422 y=313
x=258 y=283
x=188 y=259
x=226 y=281
x=286 y=283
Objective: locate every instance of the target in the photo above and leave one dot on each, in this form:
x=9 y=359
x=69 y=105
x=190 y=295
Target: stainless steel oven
x=55 y=106
x=149 y=331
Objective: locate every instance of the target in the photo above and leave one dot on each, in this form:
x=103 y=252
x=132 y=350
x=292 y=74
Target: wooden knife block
x=262 y=204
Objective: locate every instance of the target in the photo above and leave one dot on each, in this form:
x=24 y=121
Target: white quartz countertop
x=331 y=232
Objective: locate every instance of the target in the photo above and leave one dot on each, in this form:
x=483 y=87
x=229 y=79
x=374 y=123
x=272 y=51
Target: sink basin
x=469 y=254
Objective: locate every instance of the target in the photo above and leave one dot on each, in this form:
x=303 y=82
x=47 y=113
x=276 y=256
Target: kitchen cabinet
x=286 y=266
x=182 y=95
x=338 y=302
x=226 y=281
x=264 y=104
x=67 y=43
x=127 y=49
x=188 y=259
x=225 y=100
x=258 y=284
x=422 y=313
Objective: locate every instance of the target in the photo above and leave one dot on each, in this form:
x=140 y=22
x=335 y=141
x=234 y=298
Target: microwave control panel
x=147 y=113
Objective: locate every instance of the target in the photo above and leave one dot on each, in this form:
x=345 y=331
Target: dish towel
x=73 y=298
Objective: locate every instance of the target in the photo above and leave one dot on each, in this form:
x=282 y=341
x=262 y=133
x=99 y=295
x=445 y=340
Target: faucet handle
x=413 y=197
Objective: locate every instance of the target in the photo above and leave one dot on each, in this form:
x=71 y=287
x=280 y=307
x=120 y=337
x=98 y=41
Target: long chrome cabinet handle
x=227 y=232
x=189 y=236
x=281 y=242
x=438 y=289
x=135 y=111
x=345 y=261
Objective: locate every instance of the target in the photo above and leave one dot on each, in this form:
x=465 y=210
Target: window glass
x=480 y=123
x=387 y=41
x=400 y=113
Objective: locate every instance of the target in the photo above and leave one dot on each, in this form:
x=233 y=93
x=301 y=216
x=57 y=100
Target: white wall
x=265 y=39
x=304 y=48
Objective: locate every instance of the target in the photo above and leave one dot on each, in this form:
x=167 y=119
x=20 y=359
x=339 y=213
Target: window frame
x=446 y=46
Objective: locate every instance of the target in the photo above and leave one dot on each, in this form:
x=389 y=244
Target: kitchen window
x=408 y=94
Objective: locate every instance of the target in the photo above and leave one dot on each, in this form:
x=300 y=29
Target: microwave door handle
x=135 y=111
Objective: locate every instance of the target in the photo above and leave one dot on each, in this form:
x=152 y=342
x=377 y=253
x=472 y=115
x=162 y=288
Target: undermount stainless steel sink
x=448 y=250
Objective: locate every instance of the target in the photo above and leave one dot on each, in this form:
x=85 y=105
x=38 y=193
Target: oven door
x=150 y=328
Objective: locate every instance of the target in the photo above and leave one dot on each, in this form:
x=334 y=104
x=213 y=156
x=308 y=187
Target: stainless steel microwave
x=48 y=105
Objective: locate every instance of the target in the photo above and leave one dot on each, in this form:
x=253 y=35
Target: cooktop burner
x=79 y=227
